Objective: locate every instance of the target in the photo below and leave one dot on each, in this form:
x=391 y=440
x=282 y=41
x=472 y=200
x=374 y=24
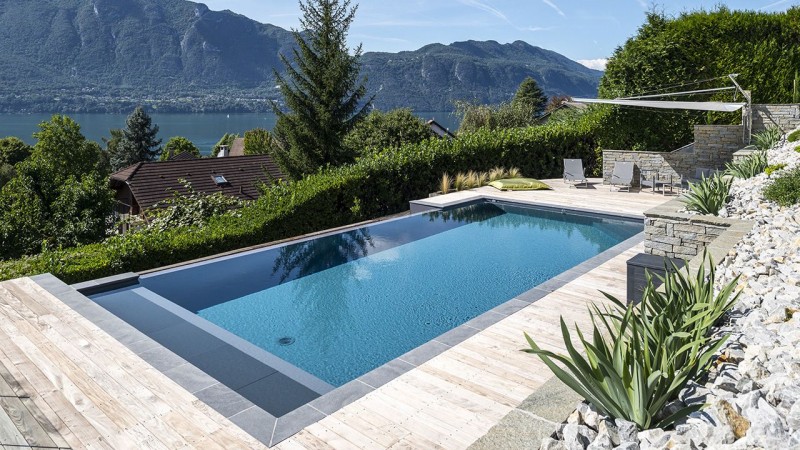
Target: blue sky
x=587 y=31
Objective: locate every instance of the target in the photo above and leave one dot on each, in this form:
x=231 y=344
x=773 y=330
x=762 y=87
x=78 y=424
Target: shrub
x=767 y=138
x=192 y=209
x=709 y=195
x=748 y=167
x=380 y=130
x=257 y=142
x=785 y=190
x=380 y=184
x=495 y=117
x=773 y=168
x=639 y=358
x=794 y=136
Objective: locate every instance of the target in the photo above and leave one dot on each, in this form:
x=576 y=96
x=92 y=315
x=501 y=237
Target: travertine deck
x=96 y=393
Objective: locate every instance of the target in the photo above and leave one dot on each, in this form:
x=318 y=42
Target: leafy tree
x=679 y=53
x=138 y=141
x=59 y=196
x=176 y=145
x=113 y=143
x=381 y=130
x=257 y=142
x=494 y=117
x=530 y=94
x=226 y=139
x=321 y=90
x=12 y=151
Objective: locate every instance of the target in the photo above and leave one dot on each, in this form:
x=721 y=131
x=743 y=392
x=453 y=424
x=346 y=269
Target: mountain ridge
x=178 y=55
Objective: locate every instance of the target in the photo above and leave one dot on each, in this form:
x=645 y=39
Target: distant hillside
x=432 y=77
x=176 y=55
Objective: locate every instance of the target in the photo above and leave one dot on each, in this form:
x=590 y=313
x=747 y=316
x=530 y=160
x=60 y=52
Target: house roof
x=439 y=130
x=152 y=182
x=182 y=156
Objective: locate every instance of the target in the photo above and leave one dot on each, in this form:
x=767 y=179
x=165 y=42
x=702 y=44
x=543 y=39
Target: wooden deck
x=66 y=383
x=83 y=389
x=596 y=197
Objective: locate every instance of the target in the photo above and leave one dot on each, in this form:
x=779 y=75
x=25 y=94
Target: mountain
x=432 y=77
x=177 y=55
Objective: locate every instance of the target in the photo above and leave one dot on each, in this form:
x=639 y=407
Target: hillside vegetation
x=177 y=55
x=763 y=48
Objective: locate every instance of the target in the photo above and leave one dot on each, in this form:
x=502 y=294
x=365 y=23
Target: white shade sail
x=697 y=106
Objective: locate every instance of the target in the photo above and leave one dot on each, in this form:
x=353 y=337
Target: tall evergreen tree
x=138 y=141
x=529 y=94
x=322 y=91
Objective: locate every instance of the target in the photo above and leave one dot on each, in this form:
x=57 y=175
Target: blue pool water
x=341 y=305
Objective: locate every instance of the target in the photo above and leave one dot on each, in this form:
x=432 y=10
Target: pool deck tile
x=223 y=399
x=391 y=370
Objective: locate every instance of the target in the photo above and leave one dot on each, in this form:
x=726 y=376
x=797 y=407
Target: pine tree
x=529 y=94
x=138 y=141
x=322 y=91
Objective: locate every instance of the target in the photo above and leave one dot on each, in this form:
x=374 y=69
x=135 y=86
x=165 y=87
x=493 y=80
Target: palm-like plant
x=748 y=167
x=640 y=357
x=767 y=139
x=709 y=195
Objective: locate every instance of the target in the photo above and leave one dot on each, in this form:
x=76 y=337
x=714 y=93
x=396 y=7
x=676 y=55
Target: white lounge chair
x=622 y=176
x=573 y=172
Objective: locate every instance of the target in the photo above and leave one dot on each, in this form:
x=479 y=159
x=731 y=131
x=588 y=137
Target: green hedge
x=372 y=187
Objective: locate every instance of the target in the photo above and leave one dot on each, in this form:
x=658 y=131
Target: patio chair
x=573 y=172
x=648 y=179
x=622 y=176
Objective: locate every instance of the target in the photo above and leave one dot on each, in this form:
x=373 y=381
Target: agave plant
x=640 y=357
x=748 y=167
x=709 y=195
x=767 y=139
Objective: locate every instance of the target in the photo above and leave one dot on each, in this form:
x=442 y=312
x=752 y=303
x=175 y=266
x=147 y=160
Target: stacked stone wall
x=671 y=232
x=786 y=117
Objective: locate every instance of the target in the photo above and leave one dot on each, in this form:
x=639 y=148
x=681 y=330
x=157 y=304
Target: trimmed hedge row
x=372 y=187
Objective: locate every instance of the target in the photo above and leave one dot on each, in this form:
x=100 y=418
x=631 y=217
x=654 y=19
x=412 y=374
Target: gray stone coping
x=672 y=210
x=265 y=427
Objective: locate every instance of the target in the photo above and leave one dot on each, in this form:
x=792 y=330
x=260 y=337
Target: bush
x=773 y=168
x=257 y=142
x=504 y=116
x=380 y=130
x=785 y=190
x=380 y=185
x=639 y=358
x=767 y=138
x=794 y=136
x=748 y=167
x=709 y=195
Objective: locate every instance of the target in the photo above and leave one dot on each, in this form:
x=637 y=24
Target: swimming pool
x=329 y=309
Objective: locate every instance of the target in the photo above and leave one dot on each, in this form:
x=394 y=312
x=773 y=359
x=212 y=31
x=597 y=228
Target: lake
x=202 y=129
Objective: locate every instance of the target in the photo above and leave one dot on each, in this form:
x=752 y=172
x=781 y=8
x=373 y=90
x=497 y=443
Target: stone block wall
x=675 y=163
x=787 y=117
x=675 y=234
x=714 y=145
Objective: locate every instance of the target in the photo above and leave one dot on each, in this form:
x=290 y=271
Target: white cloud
x=771 y=5
x=597 y=64
x=642 y=3
x=488 y=8
x=537 y=28
x=555 y=7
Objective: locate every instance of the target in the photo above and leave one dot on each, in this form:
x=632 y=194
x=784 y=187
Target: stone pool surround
x=672 y=232
x=265 y=427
